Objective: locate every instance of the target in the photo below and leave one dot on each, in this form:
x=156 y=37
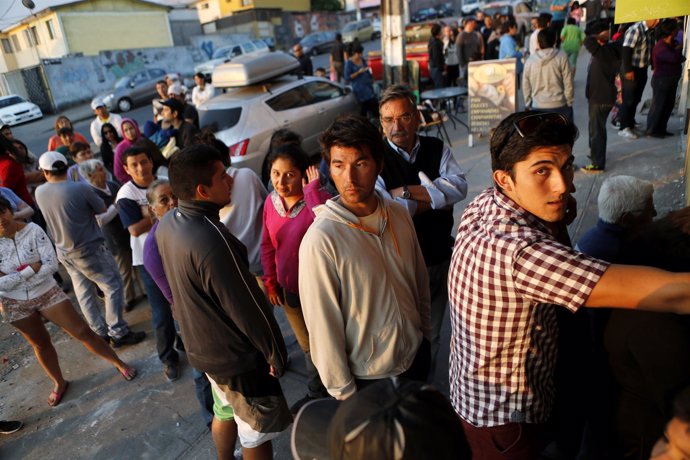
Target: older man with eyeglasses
x=421 y=173
x=507 y=274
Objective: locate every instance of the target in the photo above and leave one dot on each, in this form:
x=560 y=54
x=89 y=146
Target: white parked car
x=15 y=109
x=227 y=53
x=245 y=117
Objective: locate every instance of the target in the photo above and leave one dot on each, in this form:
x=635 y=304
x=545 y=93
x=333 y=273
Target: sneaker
x=10 y=426
x=592 y=169
x=656 y=135
x=627 y=133
x=131 y=338
x=171 y=371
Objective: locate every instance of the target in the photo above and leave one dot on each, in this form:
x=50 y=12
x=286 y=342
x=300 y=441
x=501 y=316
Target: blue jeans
x=162 y=319
x=663 y=100
x=86 y=268
x=597 y=133
x=436 y=75
x=202 y=387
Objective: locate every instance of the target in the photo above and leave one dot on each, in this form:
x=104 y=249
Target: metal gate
x=37 y=88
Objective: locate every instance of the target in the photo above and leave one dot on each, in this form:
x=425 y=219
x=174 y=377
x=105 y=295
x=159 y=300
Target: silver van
x=363 y=30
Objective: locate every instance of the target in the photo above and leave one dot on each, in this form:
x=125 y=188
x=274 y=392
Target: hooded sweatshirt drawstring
x=361 y=227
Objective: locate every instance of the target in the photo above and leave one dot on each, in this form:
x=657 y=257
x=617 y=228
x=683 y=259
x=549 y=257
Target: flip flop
x=56 y=397
x=130 y=374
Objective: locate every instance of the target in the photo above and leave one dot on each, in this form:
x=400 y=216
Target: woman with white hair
x=116 y=236
x=625 y=203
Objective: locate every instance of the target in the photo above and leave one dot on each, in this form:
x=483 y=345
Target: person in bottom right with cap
x=509 y=272
x=391 y=419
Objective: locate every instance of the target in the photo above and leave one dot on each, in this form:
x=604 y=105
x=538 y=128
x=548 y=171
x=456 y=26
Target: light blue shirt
x=509 y=49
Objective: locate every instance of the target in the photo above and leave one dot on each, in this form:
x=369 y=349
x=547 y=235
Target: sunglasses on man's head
x=530 y=123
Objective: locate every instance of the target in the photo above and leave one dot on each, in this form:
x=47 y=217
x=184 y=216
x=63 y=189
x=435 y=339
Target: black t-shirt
x=338 y=52
x=190 y=113
x=185 y=135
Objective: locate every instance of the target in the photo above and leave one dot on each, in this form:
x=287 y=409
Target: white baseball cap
x=97 y=102
x=53 y=161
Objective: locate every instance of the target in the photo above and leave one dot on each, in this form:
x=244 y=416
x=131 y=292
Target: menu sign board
x=492 y=90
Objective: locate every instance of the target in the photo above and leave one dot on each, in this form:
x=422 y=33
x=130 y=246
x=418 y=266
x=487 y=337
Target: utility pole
x=393 y=42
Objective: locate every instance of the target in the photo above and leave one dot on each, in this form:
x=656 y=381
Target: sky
x=12 y=11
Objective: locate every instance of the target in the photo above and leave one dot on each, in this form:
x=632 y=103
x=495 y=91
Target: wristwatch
x=406 y=193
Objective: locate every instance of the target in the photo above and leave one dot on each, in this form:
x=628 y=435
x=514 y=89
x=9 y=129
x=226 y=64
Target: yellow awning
x=639 y=10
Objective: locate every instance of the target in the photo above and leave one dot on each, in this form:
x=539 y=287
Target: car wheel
x=124 y=105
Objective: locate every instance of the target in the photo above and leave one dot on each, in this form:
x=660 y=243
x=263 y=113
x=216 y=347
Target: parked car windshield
x=122 y=82
x=11 y=101
x=310 y=39
x=221 y=52
x=219 y=119
x=260 y=44
x=350 y=27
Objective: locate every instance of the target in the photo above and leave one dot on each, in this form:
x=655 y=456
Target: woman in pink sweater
x=288 y=213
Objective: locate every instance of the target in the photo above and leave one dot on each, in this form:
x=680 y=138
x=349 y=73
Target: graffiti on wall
x=208 y=44
x=78 y=79
x=304 y=24
x=180 y=59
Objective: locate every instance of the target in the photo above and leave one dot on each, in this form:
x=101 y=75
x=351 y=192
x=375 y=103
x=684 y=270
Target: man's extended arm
x=642 y=288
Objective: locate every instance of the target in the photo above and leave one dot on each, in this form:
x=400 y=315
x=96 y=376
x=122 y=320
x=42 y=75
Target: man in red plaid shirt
x=507 y=274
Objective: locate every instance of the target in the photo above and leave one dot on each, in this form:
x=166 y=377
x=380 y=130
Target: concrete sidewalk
x=102 y=416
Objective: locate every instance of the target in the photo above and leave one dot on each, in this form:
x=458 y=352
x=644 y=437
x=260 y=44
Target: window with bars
x=28 y=38
x=34 y=35
x=6 y=46
x=51 y=29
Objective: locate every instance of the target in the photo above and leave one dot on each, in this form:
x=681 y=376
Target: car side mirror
x=131 y=84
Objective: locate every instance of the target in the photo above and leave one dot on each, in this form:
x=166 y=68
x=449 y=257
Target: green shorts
x=220 y=411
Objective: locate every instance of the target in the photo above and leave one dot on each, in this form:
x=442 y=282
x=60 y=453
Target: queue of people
x=365 y=275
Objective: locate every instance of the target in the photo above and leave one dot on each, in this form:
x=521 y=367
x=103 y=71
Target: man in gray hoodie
x=362 y=278
x=547 y=80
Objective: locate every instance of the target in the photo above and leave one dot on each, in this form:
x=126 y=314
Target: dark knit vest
x=434 y=226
